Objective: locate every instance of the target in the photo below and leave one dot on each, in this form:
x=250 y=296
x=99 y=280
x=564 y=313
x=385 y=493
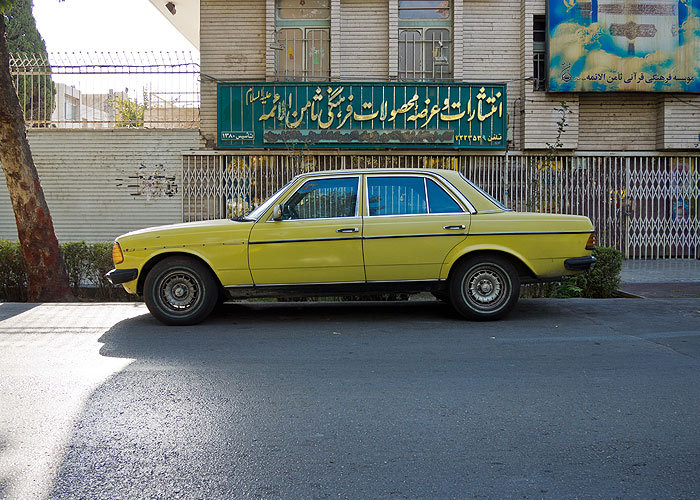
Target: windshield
x=257 y=213
x=488 y=196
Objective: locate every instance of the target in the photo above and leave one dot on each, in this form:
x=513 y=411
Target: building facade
x=443 y=41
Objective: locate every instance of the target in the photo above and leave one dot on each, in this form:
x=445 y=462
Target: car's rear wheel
x=180 y=291
x=485 y=287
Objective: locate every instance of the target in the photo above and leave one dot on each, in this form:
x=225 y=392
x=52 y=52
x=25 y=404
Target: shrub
x=75 y=255
x=12 y=278
x=603 y=280
x=86 y=265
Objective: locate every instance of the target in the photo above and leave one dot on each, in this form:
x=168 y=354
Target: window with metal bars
x=302 y=40
x=425 y=40
x=539 y=52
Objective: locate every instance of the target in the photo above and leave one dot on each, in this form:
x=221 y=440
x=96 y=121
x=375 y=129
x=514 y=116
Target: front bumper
x=119 y=276
x=580 y=263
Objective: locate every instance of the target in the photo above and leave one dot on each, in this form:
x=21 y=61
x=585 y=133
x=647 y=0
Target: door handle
x=348 y=230
x=455 y=228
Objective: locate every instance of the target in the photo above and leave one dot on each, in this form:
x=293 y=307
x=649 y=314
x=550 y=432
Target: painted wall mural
x=624 y=45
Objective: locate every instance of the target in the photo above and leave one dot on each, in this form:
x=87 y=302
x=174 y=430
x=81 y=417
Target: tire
x=180 y=291
x=484 y=288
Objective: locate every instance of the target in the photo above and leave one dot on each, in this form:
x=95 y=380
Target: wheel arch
x=524 y=271
x=155 y=259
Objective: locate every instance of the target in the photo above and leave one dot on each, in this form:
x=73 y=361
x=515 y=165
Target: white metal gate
x=644 y=205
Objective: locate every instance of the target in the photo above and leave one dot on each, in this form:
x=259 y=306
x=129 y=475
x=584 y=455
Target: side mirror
x=277 y=212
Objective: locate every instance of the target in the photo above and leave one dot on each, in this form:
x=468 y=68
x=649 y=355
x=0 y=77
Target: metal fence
x=108 y=89
x=647 y=206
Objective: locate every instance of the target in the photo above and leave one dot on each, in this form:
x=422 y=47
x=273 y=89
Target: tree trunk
x=46 y=272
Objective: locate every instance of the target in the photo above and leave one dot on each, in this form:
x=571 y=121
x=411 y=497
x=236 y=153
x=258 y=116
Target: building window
x=425 y=40
x=72 y=109
x=303 y=43
x=539 y=57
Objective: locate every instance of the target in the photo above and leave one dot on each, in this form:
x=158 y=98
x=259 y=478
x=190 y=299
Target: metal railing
x=108 y=89
x=647 y=206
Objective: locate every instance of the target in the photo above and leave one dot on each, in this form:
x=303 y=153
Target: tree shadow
x=10 y=309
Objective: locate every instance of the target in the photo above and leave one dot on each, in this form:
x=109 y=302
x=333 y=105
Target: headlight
x=117 y=255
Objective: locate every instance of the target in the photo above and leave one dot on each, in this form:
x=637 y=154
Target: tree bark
x=45 y=269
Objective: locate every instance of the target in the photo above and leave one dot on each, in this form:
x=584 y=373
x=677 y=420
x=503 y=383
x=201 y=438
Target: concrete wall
x=102 y=183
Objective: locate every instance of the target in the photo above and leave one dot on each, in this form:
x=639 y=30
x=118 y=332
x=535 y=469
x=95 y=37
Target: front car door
x=318 y=240
x=411 y=223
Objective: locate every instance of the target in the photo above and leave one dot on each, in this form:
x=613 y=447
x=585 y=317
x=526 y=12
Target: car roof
x=392 y=171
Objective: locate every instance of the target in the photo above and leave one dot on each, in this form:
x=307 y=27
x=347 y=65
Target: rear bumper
x=580 y=263
x=119 y=276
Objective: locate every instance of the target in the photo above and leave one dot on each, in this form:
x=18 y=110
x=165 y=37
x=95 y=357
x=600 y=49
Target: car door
x=411 y=223
x=318 y=240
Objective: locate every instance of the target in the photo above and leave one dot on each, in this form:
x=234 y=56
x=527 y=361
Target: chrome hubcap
x=485 y=287
x=180 y=291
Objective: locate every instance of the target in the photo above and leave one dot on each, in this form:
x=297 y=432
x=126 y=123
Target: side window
x=323 y=199
x=439 y=201
x=396 y=195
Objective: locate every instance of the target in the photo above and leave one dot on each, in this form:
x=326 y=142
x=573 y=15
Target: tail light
x=590 y=244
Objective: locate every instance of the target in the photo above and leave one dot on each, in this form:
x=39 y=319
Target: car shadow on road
x=354 y=400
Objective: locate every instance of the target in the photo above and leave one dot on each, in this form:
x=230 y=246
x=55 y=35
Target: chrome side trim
x=531 y=232
x=271 y=285
x=305 y=240
x=412 y=236
x=405 y=281
x=297 y=284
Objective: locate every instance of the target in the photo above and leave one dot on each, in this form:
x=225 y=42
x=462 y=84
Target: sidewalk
x=662 y=278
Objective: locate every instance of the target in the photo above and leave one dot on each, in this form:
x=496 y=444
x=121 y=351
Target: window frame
x=284 y=201
x=306 y=26
x=539 y=54
x=422 y=26
x=466 y=207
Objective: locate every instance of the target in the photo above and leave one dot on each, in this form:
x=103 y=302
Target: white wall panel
x=617 y=122
x=102 y=183
x=364 y=49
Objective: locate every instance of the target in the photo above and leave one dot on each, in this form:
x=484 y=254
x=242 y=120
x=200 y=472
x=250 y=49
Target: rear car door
x=411 y=223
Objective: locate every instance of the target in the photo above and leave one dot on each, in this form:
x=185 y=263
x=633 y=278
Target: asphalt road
x=565 y=399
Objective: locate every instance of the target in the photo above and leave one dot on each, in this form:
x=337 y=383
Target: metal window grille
x=425 y=40
x=425 y=54
x=302 y=40
x=539 y=58
x=647 y=206
x=104 y=90
x=303 y=54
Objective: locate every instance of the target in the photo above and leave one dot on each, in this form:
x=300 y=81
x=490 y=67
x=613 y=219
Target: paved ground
x=591 y=399
x=663 y=278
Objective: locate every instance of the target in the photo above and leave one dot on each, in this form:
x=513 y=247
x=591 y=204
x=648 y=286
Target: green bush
x=600 y=282
x=86 y=264
x=13 y=283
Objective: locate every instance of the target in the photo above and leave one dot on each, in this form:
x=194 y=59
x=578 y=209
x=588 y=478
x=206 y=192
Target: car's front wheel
x=485 y=287
x=180 y=291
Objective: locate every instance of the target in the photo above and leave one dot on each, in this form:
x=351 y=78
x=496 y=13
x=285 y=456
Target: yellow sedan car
x=352 y=232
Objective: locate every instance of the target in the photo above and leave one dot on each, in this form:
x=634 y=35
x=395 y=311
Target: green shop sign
x=361 y=115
